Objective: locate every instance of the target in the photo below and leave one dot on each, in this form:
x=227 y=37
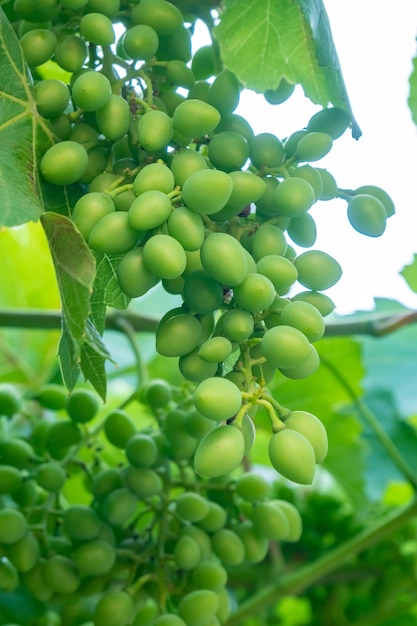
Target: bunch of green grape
x=109 y=511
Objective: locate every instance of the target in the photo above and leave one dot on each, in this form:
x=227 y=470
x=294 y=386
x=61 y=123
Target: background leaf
x=412 y=96
x=409 y=272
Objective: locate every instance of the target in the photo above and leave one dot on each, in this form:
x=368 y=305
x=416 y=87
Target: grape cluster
x=108 y=510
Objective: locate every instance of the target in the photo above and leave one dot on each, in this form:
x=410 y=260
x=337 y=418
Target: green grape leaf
x=263 y=41
x=409 y=272
x=69 y=358
x=412 y=94
x=106 y=289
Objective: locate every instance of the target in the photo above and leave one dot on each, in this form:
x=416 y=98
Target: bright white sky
x=375 y=41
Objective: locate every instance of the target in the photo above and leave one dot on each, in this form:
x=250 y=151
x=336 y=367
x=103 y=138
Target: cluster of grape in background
x=176 y=187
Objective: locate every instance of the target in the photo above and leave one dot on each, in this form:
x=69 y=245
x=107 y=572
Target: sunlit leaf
x=409 y=272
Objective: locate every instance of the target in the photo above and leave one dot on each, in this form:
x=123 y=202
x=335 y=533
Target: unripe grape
x=306 y=318
x=198 y=607
x=302 y=230
x=114 y=118
x=247 y=188
x=113 y=234
x=119 y=506
x=13 y=525
x=312 y=428
x=70 y=53
x=294 y=197
x=228 y=151
x=330 y=189
x=187 y=227
x=16 y=452
x=312 y=176
x=164 y=256
x=269 y=521
x=175 y=45
x=178 y=335
x=140 y=42
x=207 y=191
x=74 y=5
x=94 y=558
x=317 y=270
x=215 y=519
x=217 y=398
x=89 y=209
x=52 y=97
x=10 y=479
x=224 y=259
x=219 y=452
x=169 y=619
x=379 y=193
x=192 y=507
x=308 y=367
x=281 y=93
x=97 y=29
x=203 y=62
x=256 y=545
x=64 y=163
x=107 y=7
x=38 y=46
x=25 y=553
x=202 y=539
x=209 y=574
x=294 y=519
x=194 y=118
x=228 y=546
x=133 y=276
x=114 y=608
x=196 y=369
x=119 y=428
x=82 y=405
x=321 y=301
x=237 y=325
x=314 y=146
x=161 y=15
x=141 y=450
x=201 y=293
x=252 y=487
x=81 y=523
x=266 y=150
x=106 y=481
x=9 y=578
x=215 y=349
x=197 y=425
x=157 y=393
x=333 y=121
x=155 y=176
x=285 y=347
x=50 y=476
x=279 y=270
x=91 y=91
x=179 y=74
x=143 y=482
x=60 y=574
x=292 y=455
x=367 y=215
x=256 y=293
x=155 y=130
x=187 y=553
x=10 y=400
x=185 y=163
x=149 y=210
x=268 y=239
x=224 y=92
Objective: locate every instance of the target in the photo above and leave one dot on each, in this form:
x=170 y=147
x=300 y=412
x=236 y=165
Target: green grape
x=207 y=191
x=10 y=479
x=114 y=608
x=201 y=537
x=114 y=118
x=237 y=325
x=123 y=200
x=140 y=42
x=105 y=481
x=16 y=452
x=312 y=176
x=252 y=487
x=196 y=369
x=255 y=294
x=13 y=525
x=154 y=177
x=198 y=607
x=314 y=146
x=97 y=29
x=34 y=582
x=143 y=482
x=141 y=450
x=27 y=495
x=279 y=270
x=228 y=547
x=23 y=554
x=60 y=574
x=215 y=349
x=64 y=163
x=91 y=91
x=89 y=209
x=194 y=118
x=228 y=151
x=70 y=53
x=113 y=234
x=94 y=558
x=330 y=189
x=333 y=121
x=224 y=259
x=119 y=428
x=119 y=506
x=102 y=182
x=248 y=432
x=269 y=521
x=52 y=396
x=164 y=256
x=10 y=400
x=367 y=215
x=154 y=130
x=224 y=92
x=187 y=553
x=146 y=612
x=203 y=62
x=9 y=578
x=225 y=608
x=294 y=519
x=268 y=239
x=317 y=270
x=85 y=134
x=219 y=452
x=266 y=150
x=294 y=197
x=38 y=46
x=201 y=293
x=308 y=367
x=187 y=227
x=215 y=519
x=197 y=425
x=321 y=301
x=237 y=124
x=181 y=444
x=82 y=405
x=133 y=276
x=161 y=15
x=28 y=10
x=50 y=476
x=302 y=230
x=107 y=7
x=52 y=97
x=81 y=523
x=74 y=5
x=267 y=203
x=191 y=506
x=379 y=193
x=186 y=162
x=281 y=93
x=292 y=455
x=312 y=428
x=209 y=574
x=247 y=188
x=306 y=318
x=199 y=90
x=169 y=619
x=179 y=74
x=175 y=45
x=285 y=347
x=149 y=210
x=256 y=546
x=217 y=399
x=178 y=335
x=61 y=127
